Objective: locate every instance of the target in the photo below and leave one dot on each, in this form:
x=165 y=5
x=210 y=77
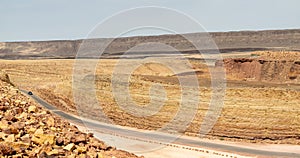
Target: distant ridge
x=226 y=42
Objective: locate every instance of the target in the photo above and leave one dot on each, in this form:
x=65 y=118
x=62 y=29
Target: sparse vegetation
x=253 y=110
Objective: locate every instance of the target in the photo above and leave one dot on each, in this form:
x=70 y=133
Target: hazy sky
x=73 y=19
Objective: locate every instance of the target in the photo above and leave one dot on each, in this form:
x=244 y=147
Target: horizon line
x=150 y=35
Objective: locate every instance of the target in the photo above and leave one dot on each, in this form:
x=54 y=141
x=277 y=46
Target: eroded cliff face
x=47 y=49
x=225 y=41
x=264 y=70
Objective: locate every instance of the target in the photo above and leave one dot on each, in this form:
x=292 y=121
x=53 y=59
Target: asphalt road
x=156 y=137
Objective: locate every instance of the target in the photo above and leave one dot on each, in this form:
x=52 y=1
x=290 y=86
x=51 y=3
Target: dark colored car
x=30 y=93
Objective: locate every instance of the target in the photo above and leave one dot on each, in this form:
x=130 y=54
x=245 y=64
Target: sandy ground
x=149 y=150
x=253 y=111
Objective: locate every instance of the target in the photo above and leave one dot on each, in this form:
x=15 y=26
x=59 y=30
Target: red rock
x=19 y=125
x=11 y=130
x=19 y=110
x=59 y=141
x=81 y=138
x=98 y=144
x=6 y=150
x=3 y=108
x=10 y=117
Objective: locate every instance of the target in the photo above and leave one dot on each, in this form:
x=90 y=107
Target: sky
x=34 y=20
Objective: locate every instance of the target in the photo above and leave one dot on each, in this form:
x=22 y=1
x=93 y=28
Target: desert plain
x=261 y=89
x=261 y=102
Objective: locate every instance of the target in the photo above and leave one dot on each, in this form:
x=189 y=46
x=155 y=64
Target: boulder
x=6 y=150
x=32 y=109
x=41 y=139
x=10 y=138
x=70 y=147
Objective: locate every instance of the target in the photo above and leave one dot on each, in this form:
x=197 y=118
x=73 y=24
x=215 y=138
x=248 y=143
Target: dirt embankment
x=276 y=68
x=28 y=130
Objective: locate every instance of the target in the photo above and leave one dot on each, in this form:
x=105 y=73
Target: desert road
x=144 y=138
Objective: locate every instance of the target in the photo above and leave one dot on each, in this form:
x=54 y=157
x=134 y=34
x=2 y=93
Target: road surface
x=141 y=141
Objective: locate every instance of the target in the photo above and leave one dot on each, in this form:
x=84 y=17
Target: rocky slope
x=274 y=67
x=28 y=130
x=226 y=41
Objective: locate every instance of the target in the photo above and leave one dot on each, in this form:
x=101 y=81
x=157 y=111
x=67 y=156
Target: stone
x=32 y=121
x=31 y=130
x=10 y=138
x=2 y=135
x=46 y=148
x=18 y=146
x=32 y=109
x=6 y=131
x=17 y=136
x=57 y=147
x=39 y=131
x=43 y=154
x=99 y=155
x=61 y=151
x=41 y=139
x=83 y=156
x=98 y=144
x=3 y=108
x=92 y=153
x=13 y=130
x=70 y=147
x=19 y=110
x=17 y=102
x=41 y=124
x=19 y=125
x=78 y=139
x=71 y=156
x=43 y=113
x=10 y=117
x=28 y=130
x=23 y=103
x=53 y=152
x=26 y=138
x=50 y=122
x=22 y=115
x=81 y=149
x=59 y=141
x=89 y=135
x=3 y=124
x=17 y=156
x=6 y=150
x=38 y=150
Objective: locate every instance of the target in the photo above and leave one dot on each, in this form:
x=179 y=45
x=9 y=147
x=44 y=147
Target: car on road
x=30 y=93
